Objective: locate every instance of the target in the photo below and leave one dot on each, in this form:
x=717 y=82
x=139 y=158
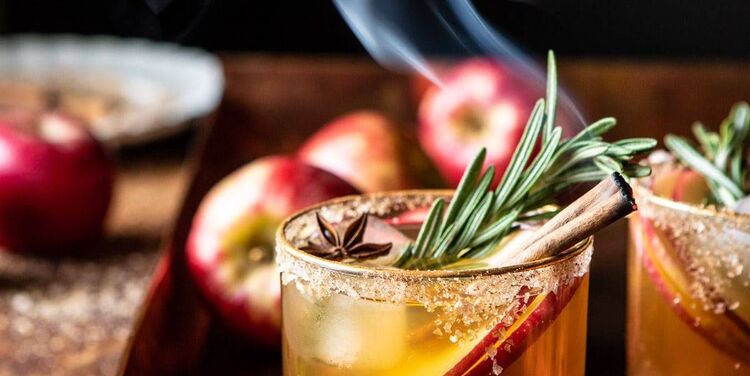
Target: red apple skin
x=410 y=217
x=691 y=187
x=480 y=105
x=56 y=185
x=230 y=246
x=477 y=363
x=664 y=184
x=364 y=148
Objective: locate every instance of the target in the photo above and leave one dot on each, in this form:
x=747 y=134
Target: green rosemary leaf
x=470 y=208
x=496 y=229
x=636 y=171
x=691 y=157
x=636 y=145
x=430 y=227
x=608 y=164
x=521 y=155
x=487 y=241
x=578 y=155
x=475 y=222
x=406 y=256
x=725 y=140
x=540 y=164
x=719 y=193
x=591 y=132
x=444 y=241
x=581 y=174
x=709 y=141
x=465 y=187
x=550 y=110
x=742 y=123
x=619 y=152
x=479 y=193
x=735 y=168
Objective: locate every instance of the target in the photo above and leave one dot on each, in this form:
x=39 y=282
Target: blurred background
x=656 y=66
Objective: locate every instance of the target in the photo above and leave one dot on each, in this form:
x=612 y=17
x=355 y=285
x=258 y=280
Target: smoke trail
x=407 y=35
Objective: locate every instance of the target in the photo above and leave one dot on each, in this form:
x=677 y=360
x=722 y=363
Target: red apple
x=55 y=184
x=363 y=148
x=230 y=246
x=481 y=104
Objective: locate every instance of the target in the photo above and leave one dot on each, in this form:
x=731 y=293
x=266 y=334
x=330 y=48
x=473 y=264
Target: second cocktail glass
x=688 y=294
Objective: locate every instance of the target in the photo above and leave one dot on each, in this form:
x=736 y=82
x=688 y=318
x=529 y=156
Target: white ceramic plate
x=159 y=86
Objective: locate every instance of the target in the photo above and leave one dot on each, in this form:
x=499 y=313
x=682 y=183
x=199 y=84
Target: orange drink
x=688 y=294
x=369 y=318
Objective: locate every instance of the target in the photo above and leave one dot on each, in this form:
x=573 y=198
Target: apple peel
x=505 y=343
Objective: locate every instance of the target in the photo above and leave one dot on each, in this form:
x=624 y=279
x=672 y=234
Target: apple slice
x=681 y=184
x=410 y=217
x=507 y=341
x=726 y=330
x=690 y=187
x=382 y=231
x=664 y=183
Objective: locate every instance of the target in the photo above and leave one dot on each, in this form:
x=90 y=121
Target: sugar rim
x=284 y=245
x=648 y=195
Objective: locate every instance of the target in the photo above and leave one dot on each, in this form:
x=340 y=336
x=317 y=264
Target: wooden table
x=271 y=104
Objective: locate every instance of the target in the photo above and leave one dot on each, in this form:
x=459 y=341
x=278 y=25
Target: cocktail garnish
x=601 y=206
x=348 y=246
x=723 y=162
x=478 y=217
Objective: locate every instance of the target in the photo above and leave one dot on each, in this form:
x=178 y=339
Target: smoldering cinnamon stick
x=604 y=204
x=605 y=188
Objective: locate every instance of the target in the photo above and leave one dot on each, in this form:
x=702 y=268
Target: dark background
x=640 y=28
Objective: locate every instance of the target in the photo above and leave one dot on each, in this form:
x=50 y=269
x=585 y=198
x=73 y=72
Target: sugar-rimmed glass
x=688 y=289
x=349 y=318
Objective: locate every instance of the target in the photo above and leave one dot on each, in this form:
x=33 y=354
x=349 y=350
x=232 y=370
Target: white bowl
x=161 y=86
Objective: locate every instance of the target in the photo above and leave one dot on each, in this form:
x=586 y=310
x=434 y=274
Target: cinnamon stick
x=601 y=206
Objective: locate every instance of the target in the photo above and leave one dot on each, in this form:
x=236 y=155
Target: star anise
x=348 y=246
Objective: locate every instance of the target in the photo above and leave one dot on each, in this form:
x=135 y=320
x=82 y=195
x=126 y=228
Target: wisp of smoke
x=407 y=35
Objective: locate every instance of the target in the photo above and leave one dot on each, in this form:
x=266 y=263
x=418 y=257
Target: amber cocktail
x=688 y=294
x=366 y=318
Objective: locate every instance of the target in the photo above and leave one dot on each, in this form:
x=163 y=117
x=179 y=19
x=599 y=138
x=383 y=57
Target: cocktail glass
x=688 y=294
x=367 y=318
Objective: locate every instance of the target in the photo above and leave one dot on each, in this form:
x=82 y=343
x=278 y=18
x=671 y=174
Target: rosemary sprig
x=723 y=159
x=478 y=217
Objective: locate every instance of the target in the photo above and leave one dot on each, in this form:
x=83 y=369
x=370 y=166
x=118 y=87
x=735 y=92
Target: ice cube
x=379 y=231
x=361 y=334
x=742 y=206
x=659 y=156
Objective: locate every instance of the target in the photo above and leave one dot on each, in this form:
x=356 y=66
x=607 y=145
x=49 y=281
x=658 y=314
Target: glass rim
x=650 y=197
x=285 y=245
